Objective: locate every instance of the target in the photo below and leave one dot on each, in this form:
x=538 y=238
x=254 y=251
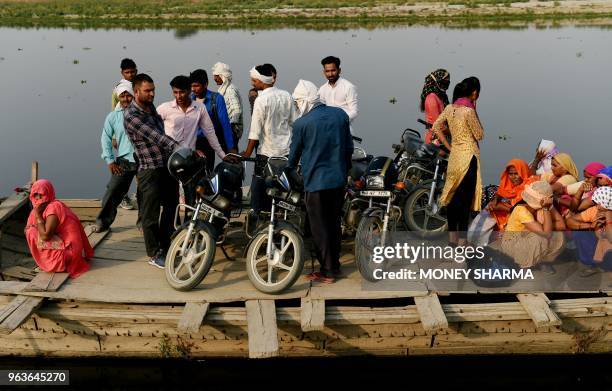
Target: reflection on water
x=537 y=83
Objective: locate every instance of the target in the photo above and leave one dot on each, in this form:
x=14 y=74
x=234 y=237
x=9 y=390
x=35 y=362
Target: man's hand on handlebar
x=232 y=158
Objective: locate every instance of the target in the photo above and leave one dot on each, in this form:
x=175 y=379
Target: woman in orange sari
x=513 y=180
x=54 y=233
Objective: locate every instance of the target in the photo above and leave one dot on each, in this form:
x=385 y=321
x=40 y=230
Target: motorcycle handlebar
x=242 y=158
x=427 y=124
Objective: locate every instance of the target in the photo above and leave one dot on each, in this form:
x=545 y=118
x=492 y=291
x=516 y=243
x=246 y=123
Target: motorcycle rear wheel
x=420 y=218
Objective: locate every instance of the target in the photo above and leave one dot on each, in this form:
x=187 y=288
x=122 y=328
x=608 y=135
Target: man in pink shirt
x=182 y=118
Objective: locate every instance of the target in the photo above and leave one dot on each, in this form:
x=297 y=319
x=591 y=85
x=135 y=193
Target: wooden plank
x=192 y=317
x=20 y=315
x=538 y=308
x=34 y=172
x=431 y=313
x=262 y=328
x=11 y=307
x=46 y=282
x=20 y=272
x=12 y=204
x=95 y=237
x=312 y=316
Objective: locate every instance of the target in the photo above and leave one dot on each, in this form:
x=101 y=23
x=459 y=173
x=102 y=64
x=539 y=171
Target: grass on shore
x=226 y=14
x=95 y=8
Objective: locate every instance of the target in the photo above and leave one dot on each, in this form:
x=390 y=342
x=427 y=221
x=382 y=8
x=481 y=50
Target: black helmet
x=185 y=165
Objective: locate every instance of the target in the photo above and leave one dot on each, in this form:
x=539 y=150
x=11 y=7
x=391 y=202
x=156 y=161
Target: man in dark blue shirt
x=215 y=105
x=322 y=140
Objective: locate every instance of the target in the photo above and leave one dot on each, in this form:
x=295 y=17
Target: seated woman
x=593 y=233
x=513 y=180
x=54 y=233
x=582 y=191
x=531 y=235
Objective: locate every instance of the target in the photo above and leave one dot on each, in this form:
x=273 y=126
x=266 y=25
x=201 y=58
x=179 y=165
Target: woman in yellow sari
x=462 y=190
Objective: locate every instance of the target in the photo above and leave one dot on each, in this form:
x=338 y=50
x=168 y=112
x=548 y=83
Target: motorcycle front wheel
x=428 y=222
x=186 y=271
x=279 y=271
x=368 y=236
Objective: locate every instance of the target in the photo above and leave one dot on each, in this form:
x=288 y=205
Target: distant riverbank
x=308 y=14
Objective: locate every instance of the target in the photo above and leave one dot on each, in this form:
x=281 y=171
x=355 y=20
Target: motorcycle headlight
x=294 y=197
x=221 y=203
x=375 y=182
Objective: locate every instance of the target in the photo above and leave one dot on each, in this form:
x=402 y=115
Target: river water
x=536 y=83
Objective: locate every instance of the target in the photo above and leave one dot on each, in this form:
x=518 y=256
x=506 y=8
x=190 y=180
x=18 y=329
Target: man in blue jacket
x=217 y=111
x=322 y=140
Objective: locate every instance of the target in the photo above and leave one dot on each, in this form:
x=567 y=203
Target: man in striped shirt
x=158 y=190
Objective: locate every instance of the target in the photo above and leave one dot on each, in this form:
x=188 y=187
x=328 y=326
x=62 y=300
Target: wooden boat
x=123 y=307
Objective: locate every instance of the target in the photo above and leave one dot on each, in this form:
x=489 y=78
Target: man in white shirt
x=338 y=92
x=271 y=125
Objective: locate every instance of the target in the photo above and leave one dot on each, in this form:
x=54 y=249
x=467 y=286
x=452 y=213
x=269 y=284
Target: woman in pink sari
x=54 y=233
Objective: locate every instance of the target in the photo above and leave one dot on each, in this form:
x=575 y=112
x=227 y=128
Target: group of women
x=537 y=208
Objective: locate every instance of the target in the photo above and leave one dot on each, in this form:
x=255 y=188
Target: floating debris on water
x=504 y=137
x=579 y=54
x=125 y=47
x=60 y=47
x=393 y=100
x=86 y=48
x=19 y=49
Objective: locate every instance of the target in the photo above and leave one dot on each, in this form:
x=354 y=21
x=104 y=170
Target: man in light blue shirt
x=121 y=164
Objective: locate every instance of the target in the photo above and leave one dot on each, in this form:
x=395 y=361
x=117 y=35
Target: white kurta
x=272 y=122
x=343 y=95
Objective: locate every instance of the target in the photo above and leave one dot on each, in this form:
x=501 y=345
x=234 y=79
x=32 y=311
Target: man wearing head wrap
x=338 y=92
x=322 y=141
x=271 y=124
x=120 y=164
x=223 y=77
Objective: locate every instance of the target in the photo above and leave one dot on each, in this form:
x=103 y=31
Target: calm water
x=537 y=83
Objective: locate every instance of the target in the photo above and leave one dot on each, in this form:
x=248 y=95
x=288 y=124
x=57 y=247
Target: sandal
x=589 y=272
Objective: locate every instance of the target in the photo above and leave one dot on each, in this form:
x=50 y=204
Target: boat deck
x=124 y=307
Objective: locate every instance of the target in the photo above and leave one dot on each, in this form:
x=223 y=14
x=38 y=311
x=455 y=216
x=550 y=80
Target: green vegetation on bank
x=309 y=14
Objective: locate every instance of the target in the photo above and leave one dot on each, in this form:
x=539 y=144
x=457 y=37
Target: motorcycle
x=383 y=193
x=275 y=256
x=193 y=244
x=353 y=206
x=422 y=168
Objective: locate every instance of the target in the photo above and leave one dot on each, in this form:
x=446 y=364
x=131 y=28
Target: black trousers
x=324 y=210
x=460 y=206
x=158 y=192
x=116 y=190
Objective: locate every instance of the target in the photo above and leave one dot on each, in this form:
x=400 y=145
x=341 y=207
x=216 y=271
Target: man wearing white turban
x=223 y=77
x=120 y=164
x=322 y=141
x=271 y=124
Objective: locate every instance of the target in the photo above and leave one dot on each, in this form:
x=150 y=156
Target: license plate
x=212 y=211
x=287 y=206
x=375 y=193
